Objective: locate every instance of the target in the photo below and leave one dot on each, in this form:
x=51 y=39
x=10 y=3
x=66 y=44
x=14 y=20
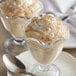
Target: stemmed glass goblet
x=16 y=28
x=16 y=25
x=45 y=52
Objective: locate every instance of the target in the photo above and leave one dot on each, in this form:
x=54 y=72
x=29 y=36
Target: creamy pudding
x=46 y=36
x=17 y=13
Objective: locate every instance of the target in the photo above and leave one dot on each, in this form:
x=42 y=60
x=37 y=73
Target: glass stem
x=19 y=41
x=44 y=68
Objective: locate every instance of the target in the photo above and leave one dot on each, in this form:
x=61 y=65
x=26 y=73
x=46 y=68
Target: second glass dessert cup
x=16 y=28
x=15 y=25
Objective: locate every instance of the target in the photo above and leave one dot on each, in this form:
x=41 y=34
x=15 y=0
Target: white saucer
x=65 y=62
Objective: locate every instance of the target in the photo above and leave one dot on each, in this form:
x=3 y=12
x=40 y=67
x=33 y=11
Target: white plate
x=65 y=62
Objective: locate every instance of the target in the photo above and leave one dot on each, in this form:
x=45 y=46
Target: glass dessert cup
x=45 y=54
x=16 y=28
x=15 y=25
x=46 y=36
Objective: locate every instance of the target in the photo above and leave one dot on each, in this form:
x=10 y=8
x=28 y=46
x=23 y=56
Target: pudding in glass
x=46 y=36
x=15 y=16
x=17 y=13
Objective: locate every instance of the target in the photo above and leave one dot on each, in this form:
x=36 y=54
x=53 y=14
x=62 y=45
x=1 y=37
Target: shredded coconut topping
x=20 y=2
x=24 y=8
x=46 y=27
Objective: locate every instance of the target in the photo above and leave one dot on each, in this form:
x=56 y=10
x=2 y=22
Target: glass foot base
x=15 y=47
x=50 y=70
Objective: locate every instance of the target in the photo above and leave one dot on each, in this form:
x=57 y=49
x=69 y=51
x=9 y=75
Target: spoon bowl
x=14 y=65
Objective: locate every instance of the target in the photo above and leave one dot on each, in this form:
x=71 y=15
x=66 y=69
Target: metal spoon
x=14 y=65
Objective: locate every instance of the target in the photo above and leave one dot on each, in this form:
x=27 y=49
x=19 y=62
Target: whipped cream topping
x=44 y=22
x=24 y=8
x=19 y=2
x=46 y=27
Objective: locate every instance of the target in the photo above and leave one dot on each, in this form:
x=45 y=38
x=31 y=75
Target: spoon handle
x=28 y=73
